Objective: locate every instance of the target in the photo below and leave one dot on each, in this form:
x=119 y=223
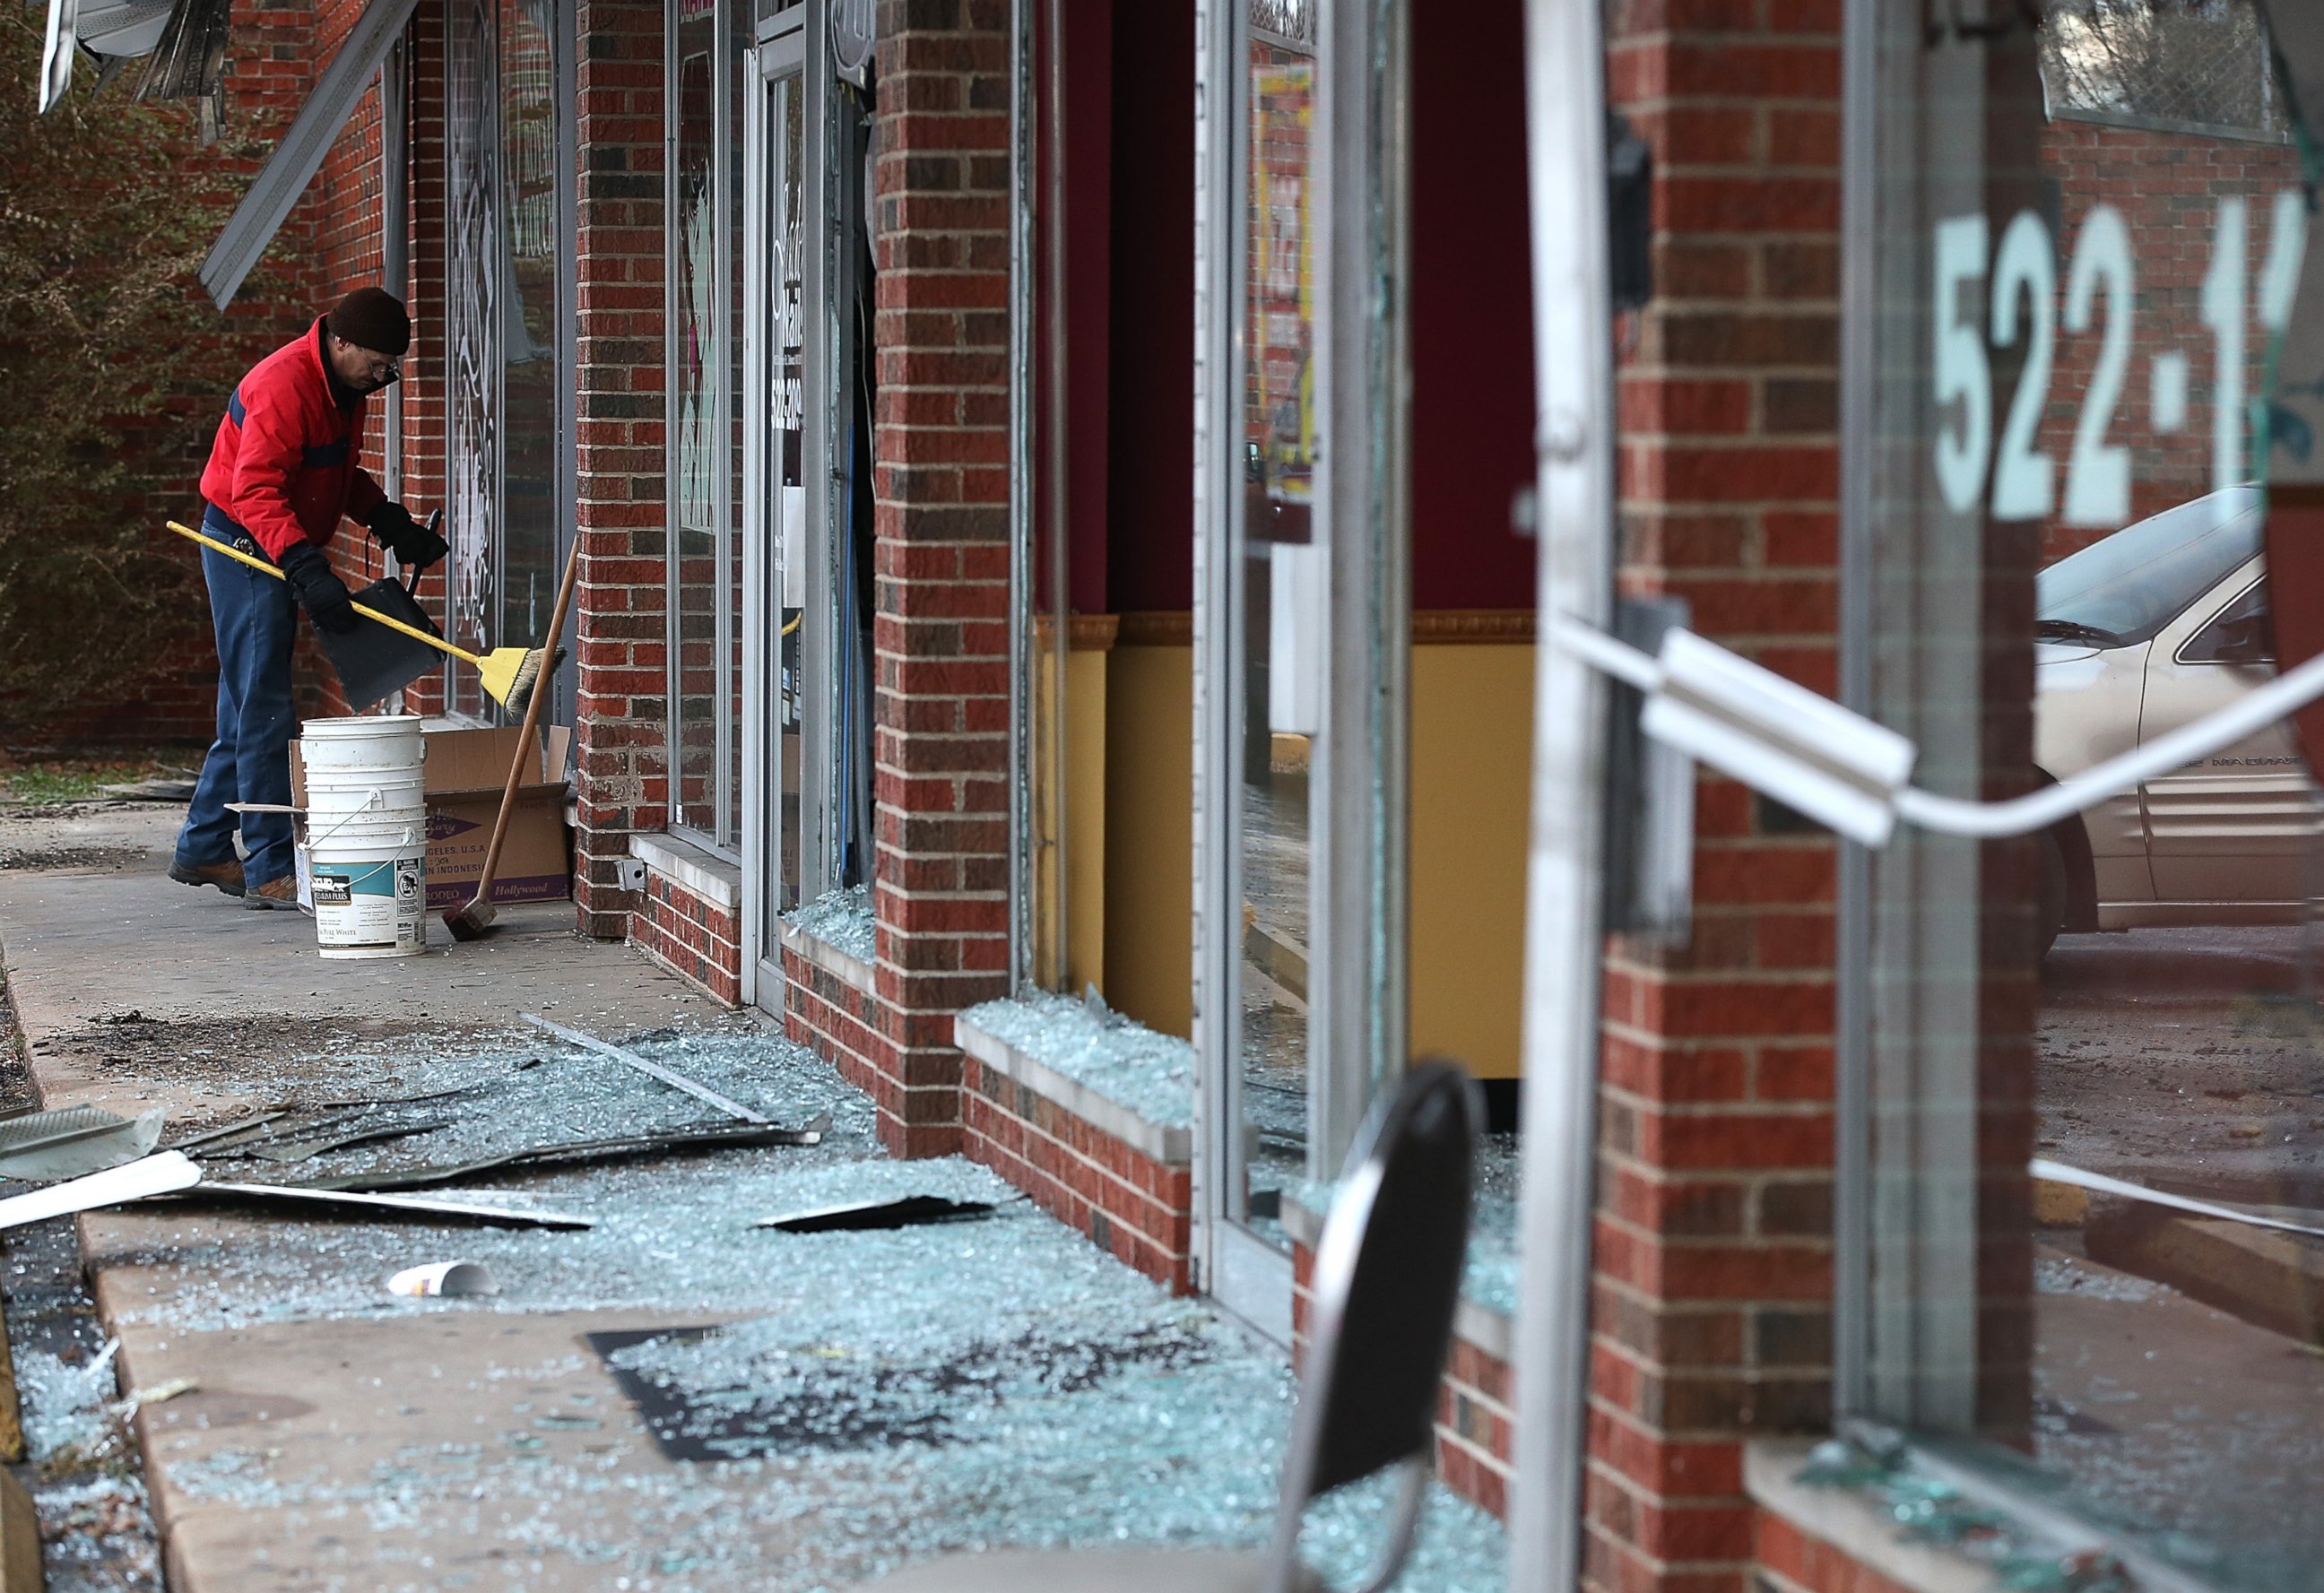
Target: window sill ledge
x=847 y=967
x=1172 y=1145
x=1850 y=1524
x=701 y=873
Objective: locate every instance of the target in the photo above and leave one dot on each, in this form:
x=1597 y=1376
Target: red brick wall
x=1474 y=1438
x=1138 y=1210
x=842 y=1024
x=1710 y=1316
x=339 y=224
x=422 y=292
x=621 y=603
x=694 y=938
x=1791 y=1562
x=941 y=705
x=270 y=67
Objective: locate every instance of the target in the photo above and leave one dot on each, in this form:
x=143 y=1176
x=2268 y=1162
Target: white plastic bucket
x=365 y=765
x=366 y=836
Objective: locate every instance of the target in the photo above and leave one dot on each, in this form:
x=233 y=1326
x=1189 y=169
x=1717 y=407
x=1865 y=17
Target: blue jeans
x=249 y=761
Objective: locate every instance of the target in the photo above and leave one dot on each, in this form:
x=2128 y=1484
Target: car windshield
x=2124 y=588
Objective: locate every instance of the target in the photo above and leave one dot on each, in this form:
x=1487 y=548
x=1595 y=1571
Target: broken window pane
x=2097 y=338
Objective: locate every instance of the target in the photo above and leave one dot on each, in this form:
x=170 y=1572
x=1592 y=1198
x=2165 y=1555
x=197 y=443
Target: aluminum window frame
x=1356 y=802
x=781 y=50
x=726 y=67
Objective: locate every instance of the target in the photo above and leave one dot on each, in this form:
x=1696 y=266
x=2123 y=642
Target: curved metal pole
x=2036 y=810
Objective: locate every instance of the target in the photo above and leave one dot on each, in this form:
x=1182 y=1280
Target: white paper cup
x=444 y=1277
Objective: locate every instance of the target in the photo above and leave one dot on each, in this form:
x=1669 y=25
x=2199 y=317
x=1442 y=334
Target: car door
x=2235 y=828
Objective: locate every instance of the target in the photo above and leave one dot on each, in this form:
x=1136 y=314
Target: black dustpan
x=372 y=662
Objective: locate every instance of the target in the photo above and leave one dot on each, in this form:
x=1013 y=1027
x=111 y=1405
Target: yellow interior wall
x=1148 y=888
x=1471 y=745
x=1084 y=817
x=1086 y=850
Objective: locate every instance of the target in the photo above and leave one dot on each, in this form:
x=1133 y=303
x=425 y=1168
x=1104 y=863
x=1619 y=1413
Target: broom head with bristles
x=509 y=674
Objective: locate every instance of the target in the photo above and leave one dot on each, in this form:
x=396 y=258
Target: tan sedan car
x=2141 y=632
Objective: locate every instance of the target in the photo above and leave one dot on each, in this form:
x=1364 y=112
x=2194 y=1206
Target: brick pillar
x=620 y=603
x=423 y=293
x=339 y=217
x=1712 y=1312
x=941 y=712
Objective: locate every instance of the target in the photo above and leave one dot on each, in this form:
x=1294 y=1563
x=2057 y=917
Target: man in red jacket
x=281 y=475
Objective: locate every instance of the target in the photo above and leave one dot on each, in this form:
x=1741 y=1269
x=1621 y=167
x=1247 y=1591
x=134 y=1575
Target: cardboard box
x=462 y=777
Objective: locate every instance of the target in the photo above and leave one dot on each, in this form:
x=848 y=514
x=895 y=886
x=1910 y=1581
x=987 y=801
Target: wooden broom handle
x=531 y=718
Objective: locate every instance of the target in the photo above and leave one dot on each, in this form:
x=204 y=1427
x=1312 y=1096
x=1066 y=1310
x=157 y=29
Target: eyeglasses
x=378 y=366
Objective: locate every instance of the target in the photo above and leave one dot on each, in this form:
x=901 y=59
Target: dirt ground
x=2188 y=1060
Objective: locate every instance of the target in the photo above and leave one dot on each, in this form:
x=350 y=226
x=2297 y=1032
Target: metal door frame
x=781 y=51
x=1356 y=924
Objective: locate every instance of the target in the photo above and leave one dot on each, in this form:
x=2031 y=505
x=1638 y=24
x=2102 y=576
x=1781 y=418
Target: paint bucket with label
x=366 y=836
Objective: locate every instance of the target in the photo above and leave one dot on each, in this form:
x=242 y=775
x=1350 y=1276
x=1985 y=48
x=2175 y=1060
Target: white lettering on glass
x=2224 y=296
x=2166 y=392
x=2098 y=474
x=1963 y=376
x=2024 y=284
x=2025 y=479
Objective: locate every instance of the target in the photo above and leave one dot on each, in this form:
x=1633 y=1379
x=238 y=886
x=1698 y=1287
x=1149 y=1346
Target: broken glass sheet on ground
x=886 y=1397
x=83 y=1471
x=1106 y=1052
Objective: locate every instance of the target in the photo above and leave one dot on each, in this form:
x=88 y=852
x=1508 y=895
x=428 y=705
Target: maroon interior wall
x=1150 y=412
x=1089 y=241
x=1472 y=404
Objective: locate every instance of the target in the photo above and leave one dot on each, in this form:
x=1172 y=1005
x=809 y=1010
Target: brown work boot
x=226 y=876
x=281 y=892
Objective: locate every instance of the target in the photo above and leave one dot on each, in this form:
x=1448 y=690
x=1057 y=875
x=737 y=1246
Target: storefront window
x=1285 y=576
x=2095 y=339
x=474 y=285
x=796 y=603
x=507 y=302
x=785 y=507
x=705 y=583
x=530 y=232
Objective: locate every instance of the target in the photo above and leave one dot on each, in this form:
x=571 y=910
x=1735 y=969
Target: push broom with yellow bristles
x=509 y=674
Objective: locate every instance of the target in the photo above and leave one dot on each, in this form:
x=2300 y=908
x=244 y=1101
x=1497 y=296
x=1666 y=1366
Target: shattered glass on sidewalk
x=876 y=1398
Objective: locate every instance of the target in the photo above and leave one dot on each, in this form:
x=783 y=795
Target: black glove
x=413 y=544
x=320 y=591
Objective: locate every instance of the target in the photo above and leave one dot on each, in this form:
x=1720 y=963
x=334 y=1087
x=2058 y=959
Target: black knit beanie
x=372 y=318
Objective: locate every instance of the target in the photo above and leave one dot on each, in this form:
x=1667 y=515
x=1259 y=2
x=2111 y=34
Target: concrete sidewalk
x=878 y=1397
x=235 y=997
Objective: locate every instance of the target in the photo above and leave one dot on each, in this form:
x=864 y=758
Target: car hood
x=2061 y=652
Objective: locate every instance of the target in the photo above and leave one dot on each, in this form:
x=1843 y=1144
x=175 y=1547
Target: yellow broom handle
x=393 y=623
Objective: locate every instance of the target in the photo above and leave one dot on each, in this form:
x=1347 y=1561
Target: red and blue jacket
x=283 y=467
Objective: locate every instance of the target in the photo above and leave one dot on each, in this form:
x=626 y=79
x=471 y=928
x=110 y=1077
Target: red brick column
x=941 y=676
x=622 y=652
x=1711 y=1310
x=423 y=293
